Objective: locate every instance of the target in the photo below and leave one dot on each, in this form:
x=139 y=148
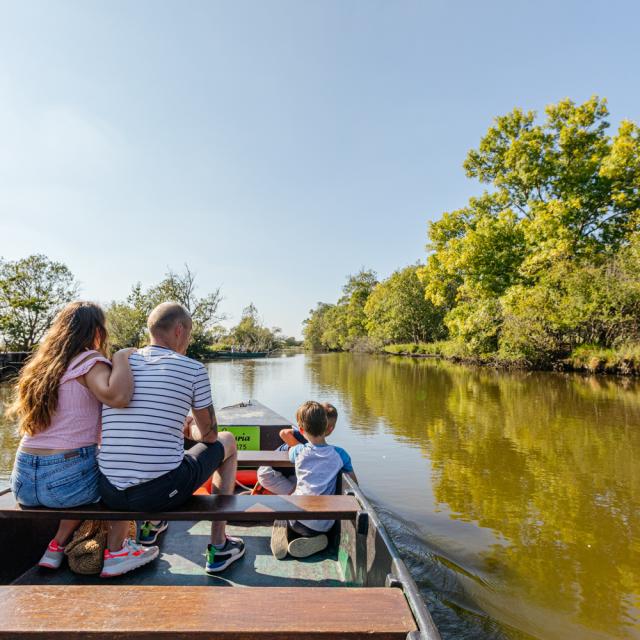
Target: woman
x=58 y=401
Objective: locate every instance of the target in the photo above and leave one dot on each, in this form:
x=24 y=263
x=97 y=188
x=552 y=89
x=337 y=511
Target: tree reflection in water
x=549 y=462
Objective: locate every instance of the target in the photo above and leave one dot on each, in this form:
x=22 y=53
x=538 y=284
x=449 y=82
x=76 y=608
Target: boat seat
x=240 y=508
x=99 y=612
x=264 y=458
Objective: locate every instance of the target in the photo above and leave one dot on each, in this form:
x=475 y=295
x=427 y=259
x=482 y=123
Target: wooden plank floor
x=181 y=562
x=185 y=613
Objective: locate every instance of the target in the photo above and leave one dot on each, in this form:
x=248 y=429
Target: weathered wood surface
x=235 y=508
x=264 y=458
x=184 y=613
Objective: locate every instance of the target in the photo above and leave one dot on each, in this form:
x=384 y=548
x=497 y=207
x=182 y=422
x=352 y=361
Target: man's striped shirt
x=144 y=440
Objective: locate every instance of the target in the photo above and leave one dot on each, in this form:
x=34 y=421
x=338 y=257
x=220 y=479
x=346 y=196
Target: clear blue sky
x=274 y=146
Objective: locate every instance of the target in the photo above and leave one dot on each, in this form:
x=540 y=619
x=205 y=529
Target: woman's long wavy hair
x=79 y=326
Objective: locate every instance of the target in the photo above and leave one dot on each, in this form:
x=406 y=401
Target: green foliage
x=398 y=311
x=547 y=260
x=128 y=320
x=250 y=335
x=341 y=326
x=32 y=291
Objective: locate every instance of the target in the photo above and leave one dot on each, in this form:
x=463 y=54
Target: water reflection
x=548 y=462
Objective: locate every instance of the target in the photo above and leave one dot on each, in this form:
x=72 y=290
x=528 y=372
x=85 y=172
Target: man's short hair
x=165 y=316
x=331 y=411
x=312 y=418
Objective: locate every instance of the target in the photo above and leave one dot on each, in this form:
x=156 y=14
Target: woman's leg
x=65 y=529
x=117 y=534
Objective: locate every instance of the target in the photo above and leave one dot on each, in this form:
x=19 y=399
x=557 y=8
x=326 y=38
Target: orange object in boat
x=247 y=477
x=205 y=489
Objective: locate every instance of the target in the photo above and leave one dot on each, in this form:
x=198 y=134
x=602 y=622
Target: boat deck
x=181 y=563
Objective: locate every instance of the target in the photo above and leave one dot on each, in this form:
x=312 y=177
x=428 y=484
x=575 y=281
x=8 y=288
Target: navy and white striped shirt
x=144 y=440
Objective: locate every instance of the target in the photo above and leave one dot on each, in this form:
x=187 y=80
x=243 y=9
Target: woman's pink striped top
x=76 y=422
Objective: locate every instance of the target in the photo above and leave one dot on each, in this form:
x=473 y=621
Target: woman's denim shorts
x=61 y=480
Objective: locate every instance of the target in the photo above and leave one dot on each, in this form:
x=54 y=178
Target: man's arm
x=204 y=427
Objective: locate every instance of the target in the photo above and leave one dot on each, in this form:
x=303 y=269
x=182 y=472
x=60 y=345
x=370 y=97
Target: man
x=143 y=464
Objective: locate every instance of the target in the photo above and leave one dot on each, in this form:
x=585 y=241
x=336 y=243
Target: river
x=514 y=497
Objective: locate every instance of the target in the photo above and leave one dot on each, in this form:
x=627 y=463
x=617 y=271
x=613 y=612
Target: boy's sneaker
x=259 y=490
x=149 y=531
x=130 y=557
x=219 y=559
x=304 y=547
x=53 y=556
x=279 y=539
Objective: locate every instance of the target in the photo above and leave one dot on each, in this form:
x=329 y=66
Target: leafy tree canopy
x=32 y=291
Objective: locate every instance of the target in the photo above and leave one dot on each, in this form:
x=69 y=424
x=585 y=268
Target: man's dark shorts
x=170 y=490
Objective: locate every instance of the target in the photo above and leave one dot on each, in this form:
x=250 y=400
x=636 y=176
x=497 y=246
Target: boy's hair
x=312 y=418
x=331 y=411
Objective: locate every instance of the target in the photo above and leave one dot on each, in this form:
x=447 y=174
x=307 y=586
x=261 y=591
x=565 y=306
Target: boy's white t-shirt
x=317 y=469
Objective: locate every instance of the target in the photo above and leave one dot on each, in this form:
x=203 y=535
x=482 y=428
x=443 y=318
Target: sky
x=273 y=146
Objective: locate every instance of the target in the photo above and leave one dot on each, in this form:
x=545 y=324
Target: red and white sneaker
x=53 y=556
x=130 y=557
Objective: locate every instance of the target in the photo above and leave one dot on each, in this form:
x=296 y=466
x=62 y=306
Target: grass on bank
x=624 y=360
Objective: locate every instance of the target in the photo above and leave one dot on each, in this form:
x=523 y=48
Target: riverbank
x=585 y=358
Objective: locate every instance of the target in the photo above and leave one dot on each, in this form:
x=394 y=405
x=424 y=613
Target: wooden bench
x=254 y=459
x=195 y=613
x=235 y=508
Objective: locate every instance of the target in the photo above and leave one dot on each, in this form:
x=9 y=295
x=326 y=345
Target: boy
x=317 y=465
x=284 y=482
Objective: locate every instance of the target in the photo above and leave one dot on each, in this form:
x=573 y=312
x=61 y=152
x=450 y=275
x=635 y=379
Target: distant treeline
x=542 y=267
x=34 y=289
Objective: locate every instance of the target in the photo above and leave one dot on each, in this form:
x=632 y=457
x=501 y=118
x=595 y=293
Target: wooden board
x=236 y=508
x=264 y=458
x=184 y=613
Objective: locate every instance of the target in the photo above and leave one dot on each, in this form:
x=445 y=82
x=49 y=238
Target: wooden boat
x=358 y=588
x=239 y=355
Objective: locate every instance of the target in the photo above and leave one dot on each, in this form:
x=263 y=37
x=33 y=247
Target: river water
x=513 y=497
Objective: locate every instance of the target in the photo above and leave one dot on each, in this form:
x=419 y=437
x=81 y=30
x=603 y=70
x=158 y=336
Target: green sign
x=247 y=438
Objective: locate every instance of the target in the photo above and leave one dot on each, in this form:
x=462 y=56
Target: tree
x=315 y=326
x=250 y=335
x=565 y=198
x=32 y=291
x=397 y=311
x=128 y=320
x=355 y=295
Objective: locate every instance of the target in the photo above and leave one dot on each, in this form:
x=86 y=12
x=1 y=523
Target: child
x=284 y=482
x=317 y=465
x=58 y=401
x=292 y=437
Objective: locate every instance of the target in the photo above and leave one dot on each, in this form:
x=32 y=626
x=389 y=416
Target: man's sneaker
x=131 y=556
x=53 y=556
x=149 y=531
x=279 y=539
x=219 y=559
x=304 y=547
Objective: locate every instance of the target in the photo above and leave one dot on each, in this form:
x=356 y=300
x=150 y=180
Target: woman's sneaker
x=304 y=547
x=149 y=531
x=130 y=557
x=219 y=559
x=53 y=556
